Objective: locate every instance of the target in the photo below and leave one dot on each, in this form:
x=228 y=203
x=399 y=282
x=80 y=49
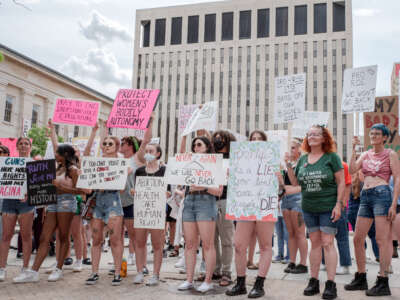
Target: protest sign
x=133 y=108
x=301 y=126
x=49 y=151
x=81 y=142
x=195 y=169
x=225 y=168
x=40 y=175
x=26 y=127
x=359 y=88
x=11 y=144
x=150 y=202
x=252 y=184
x=76 y=112
x=280 y=136
x=386 y=112
x=105 y=173
x=12 y=177
x=185 y=112
x=155 y=140
x=290 y=94
x=203 y=118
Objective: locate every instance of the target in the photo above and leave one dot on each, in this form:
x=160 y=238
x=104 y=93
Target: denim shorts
x=199 y=207
x=320 y=222
x=65 y=203
x=128 y=212
x=375 y=202
x=292 y=202
x=16 y=207
x=108 y=205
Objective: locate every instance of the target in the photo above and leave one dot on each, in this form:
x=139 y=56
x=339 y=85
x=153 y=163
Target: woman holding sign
x=13 y=210
x=376 y=204
x=320 y=174
x=199 y=215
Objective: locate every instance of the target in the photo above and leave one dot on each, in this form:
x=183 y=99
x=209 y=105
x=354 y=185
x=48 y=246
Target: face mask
x=219 y=144
x=149 y=157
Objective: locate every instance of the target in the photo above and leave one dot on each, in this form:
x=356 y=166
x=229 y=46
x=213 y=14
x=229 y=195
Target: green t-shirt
x=317 y=181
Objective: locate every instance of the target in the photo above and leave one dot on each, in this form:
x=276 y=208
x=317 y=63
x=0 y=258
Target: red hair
x=328 y=145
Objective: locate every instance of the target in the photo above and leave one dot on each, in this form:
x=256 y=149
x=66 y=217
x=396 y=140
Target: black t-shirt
x=225 y=189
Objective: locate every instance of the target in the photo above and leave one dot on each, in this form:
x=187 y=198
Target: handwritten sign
x=150 y=202
x=280 y=136
x=81 y=142
x=40 y=175
x=185 y=112
x=203 y=118
x=26 y=127
x=253 y=185
x=133 y=108
x=290 y=94
x=301 y=126
x=12 y=177
x=195 y=169
x=76 y=112
x=11 y=144
x=386 y=112
x=359 y=89
x=103 y=173
x=155 y=140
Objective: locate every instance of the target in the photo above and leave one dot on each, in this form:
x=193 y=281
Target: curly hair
x=328 y=145
x=226 y=136
x=262 y=133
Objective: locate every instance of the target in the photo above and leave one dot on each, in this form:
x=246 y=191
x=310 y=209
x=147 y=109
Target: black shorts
x=128 y=212
x=169 y=218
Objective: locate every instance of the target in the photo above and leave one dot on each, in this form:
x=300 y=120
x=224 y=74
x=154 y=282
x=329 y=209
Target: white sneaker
x=77 y=266
x=138 y=278
x=205 y=287
x=51 y=268
x=2 y=274
x=186 y=285
x=55 y=275
x=322 y=268
x=27 y=276
x=153 y=281
x=202 y=269
x=181 y=263
x=342 y=270
x=131 y=259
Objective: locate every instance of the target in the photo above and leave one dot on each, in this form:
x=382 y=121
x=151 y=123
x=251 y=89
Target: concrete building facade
x=231 y=52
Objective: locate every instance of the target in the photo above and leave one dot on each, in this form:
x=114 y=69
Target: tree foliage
x=40 y=136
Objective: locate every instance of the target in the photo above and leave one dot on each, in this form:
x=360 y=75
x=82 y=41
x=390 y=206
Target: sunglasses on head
x=105 y=144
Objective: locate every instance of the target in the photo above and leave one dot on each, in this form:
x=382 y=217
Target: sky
x=91 y=41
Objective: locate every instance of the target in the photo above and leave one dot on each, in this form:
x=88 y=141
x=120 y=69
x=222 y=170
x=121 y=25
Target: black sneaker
x=312 y=287
x=381 y=287
x=111 y=272
x=359 y=283
x=330 y=291
x=92 y=280
x=87 y=261
x=19 y=255
x=117 y=280
x=68 y=261
x=300 y=269
x=145 y=271
x=291 y=266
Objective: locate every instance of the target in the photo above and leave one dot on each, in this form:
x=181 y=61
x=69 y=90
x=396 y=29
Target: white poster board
x=150 y=202
x=81 y=142
x=301 y=127
x=359 y=89
x=49 y=151
x=195 y=169
x=185 y=112
x=103 y=173
x=13 y=177
x=203 y=118
x=289 y=99
x=281 y=137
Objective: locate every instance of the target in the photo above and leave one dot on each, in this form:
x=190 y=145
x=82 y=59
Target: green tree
x=40 y=136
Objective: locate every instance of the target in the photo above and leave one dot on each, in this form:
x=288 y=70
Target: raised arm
x=53 y=136
x=183 y=145
x=146 y=139
x=89 y=144
x=355 y=164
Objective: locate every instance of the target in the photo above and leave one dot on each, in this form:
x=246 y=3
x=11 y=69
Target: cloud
x=99 y=65
x=366 y=12
x=103 y=30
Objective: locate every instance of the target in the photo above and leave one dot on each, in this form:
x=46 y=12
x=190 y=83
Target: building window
x=245 y=24
x=145 y=33
x=300 y=19
x=193 y=29
x=35 y=114
x=176 y=31
x=281 y=22
x=76 y=131
x=339 y=16
x=263 y=23
x=320 y=18
x=8 y=108
x=159 y=35
x=227 y=26
x=209 y=28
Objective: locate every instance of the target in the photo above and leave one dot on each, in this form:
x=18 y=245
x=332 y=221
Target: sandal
x=252 y=266
x=174 y=253
x=225 y=280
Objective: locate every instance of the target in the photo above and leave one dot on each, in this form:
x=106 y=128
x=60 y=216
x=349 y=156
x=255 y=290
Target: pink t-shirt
x=377 y=164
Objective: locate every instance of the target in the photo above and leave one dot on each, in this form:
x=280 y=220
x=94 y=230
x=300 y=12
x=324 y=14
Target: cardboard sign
x=150 y=202
x=290 y=92
x=281 y=137
x=359 y=88
x=185 y=112
x=26 y=127
x=301 y=126
x=40 y=175
x=103 y=173
x=253 y=185
x=76 y=112
x=12 y=177
x=81 y=143
x=11 y=144
x=133 y=108
x=203 y=118
x=386 y=111
x=195 y=169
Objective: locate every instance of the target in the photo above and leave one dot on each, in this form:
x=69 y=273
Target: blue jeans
x=342 y=240
x=283 y=237
x=352 y=213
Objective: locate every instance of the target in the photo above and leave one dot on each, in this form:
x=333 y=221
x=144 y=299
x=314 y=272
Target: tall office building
x=231 y=52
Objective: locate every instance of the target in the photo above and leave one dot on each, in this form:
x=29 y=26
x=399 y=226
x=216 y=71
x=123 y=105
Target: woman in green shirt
x=320 y=174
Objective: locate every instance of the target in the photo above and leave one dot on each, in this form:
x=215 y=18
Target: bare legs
x=323 y=240
x=297 y=237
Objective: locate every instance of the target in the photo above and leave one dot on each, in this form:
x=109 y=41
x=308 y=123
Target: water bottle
x=124 y=268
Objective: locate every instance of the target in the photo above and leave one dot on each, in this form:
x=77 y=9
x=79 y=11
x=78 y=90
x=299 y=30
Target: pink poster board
x=11 y=144
x=133 y=108
x=76 y=112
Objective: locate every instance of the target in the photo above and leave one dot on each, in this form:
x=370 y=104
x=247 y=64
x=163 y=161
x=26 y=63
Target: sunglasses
x=105 y=144
x=4 y=152
x=198 y=145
